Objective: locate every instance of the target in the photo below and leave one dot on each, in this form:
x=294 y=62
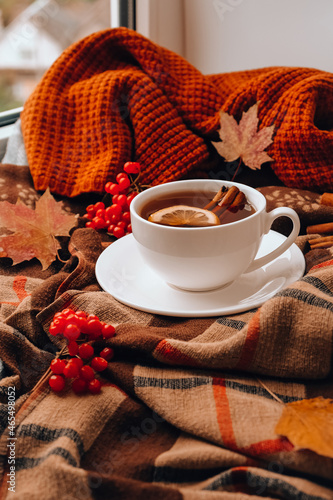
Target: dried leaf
x=34 y=231
x=309 y=424
x=243 y=140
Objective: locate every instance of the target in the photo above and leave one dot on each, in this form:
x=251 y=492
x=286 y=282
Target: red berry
x=90 y=224
x=108 y=331
x=57 y=366
x=114 y=219
x=81 y=314
x=121 y=175
x=58 y=325
x=126 y=217
x=100 y=213
x=57 y=383
x=66 y=312
x=77 y=361
x=82 y=324
x=114 y=209
x=73 y=348
x=122 y=224
x=122 y=200
x=98 y=222
x=79 y=386
x=119 y=232
x=72 y=318
x=72 y=331
x=124 y=183
x=59 y=315
x=112 y=188
x=94 y=328
x=92 y=316
x=132 y=167
x=131 y=197
x=87 y=373
x=86 y=351
x=99 y=205
x=111 y=228
x=129 y=228
x=53 y=329
x=99 y=364
x=71 y=369
x=91 y=210
x=94 y=386
x=107 y=353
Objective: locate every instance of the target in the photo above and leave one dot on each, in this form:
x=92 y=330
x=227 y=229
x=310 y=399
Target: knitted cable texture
x=115 y=96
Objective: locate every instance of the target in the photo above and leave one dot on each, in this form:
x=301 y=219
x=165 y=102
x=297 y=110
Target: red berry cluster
x=115 y=219
x=80 y=330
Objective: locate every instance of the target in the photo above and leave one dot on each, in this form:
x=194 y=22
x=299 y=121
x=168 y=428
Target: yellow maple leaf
x=243 y=140
x=33 y=232
x=309 y=424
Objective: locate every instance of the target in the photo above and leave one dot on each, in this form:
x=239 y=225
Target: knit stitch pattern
x=115 y=96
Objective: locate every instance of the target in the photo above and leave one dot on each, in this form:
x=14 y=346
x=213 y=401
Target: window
x=34 y=33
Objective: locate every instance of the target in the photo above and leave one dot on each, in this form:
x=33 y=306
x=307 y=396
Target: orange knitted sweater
x=115 y=96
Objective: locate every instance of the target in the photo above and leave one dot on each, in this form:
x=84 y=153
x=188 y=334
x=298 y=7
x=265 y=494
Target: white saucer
x=121 y=272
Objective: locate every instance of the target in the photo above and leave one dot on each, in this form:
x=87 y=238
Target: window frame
x=7 y=121
x=123 y=13
x=10 y=116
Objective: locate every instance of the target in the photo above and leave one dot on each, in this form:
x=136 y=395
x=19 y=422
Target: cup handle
x=269 y=219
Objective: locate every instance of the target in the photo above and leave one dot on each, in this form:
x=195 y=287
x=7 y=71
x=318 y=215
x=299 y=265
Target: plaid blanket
x=187 y=408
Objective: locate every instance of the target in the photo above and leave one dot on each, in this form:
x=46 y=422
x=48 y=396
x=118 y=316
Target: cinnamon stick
x=219 y=195
x=231 y=199
x=238 y=203
x=323 y=242
x=325 y=228
x=226 y=201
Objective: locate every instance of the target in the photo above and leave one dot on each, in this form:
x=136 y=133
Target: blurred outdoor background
x=33 y=33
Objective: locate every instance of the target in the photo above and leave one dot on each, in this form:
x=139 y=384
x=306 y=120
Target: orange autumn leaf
x=309 y=424
x=242 y=140
x=33 y=232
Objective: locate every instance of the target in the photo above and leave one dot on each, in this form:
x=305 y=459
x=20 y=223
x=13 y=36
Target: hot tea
x=195 y=208
x=205 y=258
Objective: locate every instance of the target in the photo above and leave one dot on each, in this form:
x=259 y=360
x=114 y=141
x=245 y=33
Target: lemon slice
x=184 y=215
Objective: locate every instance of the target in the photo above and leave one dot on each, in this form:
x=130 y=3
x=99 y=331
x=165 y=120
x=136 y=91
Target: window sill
x=5 y=132
x=7 y=120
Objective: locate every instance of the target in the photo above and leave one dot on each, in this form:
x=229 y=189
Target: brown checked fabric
x=115 y=96
x=188 y=407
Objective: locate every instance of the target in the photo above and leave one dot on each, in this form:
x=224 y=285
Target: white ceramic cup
x=205 y=258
